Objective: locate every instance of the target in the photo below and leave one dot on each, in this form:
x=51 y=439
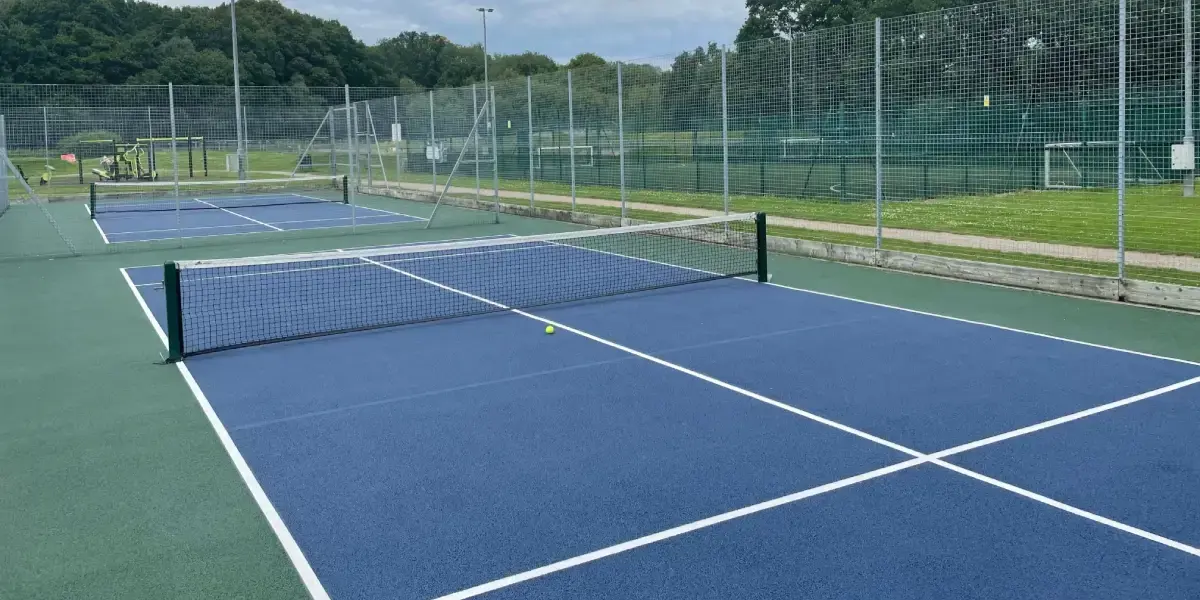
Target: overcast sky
x=614 y=29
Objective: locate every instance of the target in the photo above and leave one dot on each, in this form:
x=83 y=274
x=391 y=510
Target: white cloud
x=614 y=29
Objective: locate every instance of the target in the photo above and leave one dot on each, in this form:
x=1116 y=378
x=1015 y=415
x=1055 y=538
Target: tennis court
x=146 y=211
x=687 y=432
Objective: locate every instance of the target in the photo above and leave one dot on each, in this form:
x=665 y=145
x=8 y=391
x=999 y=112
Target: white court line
x=911 y=310
x=191 y=237
x=243 y=225
x=204 y=227
x=358 y=265
x=307 y=575
x=96 y=223
x=238 y=214
x=1065 y=419
x=482 y=237
x=984 y=324
x=918 y=456
x=365 y=207
x=920 y=459
x=653 y=538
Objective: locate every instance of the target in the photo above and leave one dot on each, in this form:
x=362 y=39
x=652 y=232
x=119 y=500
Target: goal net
x=1082 y=165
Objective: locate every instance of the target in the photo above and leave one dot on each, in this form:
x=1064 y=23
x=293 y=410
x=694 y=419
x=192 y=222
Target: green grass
x=990 y=256
x=1158 y=218
x=65 y=182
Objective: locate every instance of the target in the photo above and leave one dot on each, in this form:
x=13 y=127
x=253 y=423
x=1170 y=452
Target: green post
x=760 y=228
x=92 y=199
x=79 y=160
x=345 y=189
x=174 y=312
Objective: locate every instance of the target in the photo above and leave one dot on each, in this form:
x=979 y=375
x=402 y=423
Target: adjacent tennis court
x=410 y=429
x=146 y=211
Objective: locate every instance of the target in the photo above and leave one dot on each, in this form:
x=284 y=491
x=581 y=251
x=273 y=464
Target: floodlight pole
x=237 y=96
x=490 y=94
x=1189 y=137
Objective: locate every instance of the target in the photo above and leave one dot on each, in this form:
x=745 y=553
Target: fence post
x=878 y=134
x=571 y=134
x=621 y=138
x=399 y=135
x=724 y=135
x=495 y=153
x=332 y=144
x=1189 y=136
x=433 y=153
x=1121 y=146
x=529 y=111
x=372 y=139
x=352 y=154
x=46 y=133
x=174 y=163
x=150 y=158
x=475 y=115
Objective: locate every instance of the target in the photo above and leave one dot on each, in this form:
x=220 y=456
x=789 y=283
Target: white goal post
x=584 y=155
x=1065 y=166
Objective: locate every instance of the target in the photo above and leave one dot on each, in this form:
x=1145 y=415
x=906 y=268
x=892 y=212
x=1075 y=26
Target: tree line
x=128 y=42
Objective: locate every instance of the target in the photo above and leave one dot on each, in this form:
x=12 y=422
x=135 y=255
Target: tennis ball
x=549 y=329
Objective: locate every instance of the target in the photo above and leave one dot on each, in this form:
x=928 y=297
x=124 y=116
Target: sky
x=644 y=30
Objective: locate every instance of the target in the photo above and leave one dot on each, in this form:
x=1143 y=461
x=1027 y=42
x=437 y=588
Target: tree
x=585 y=60
x=521 y=65
x=773 y=18
x=414 y=55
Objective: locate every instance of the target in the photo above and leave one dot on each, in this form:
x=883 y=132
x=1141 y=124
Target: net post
x=345 y=189
x=92 y=199
x=760 y=230
x=174 y=312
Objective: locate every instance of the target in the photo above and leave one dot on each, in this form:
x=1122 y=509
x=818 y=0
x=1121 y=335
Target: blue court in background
x=727 y=439
x=282 y=212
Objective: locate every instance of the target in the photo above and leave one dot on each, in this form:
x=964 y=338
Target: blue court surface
x=727 y=439
x=228 y=216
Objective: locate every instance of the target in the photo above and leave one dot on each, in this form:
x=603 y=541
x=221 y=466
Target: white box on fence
x=1183 y=157
x=433 y=152
x=397 y=133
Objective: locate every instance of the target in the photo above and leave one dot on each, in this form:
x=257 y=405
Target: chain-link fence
x=62 y=139
x=995 y=132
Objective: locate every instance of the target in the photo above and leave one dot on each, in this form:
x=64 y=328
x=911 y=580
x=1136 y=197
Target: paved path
x=1141 y=259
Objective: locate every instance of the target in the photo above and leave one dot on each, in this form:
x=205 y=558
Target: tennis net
x=231 y=303
x=145 y=196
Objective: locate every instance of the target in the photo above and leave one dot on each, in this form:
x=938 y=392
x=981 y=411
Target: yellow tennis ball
x=549 y=329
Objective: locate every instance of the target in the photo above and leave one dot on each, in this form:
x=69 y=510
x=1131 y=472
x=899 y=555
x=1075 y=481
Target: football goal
x=556 y=155
x=1081 y=165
